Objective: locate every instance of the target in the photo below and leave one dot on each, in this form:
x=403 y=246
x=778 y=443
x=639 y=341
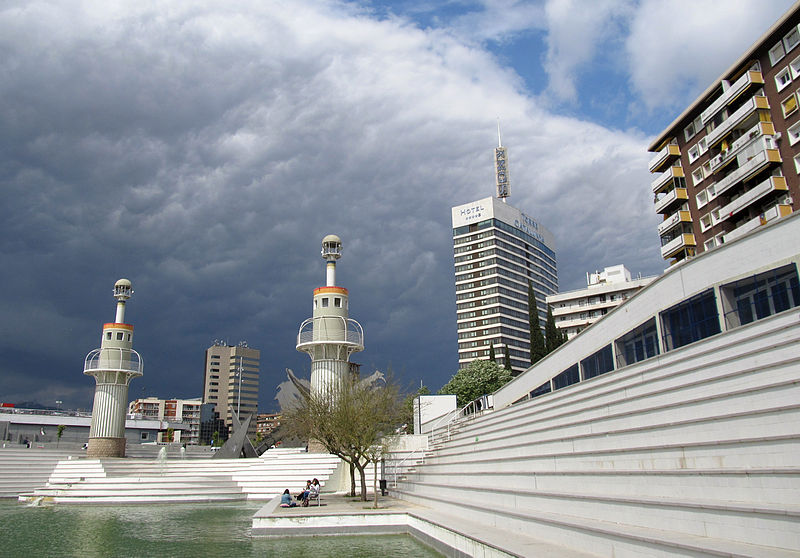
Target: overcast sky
x=203 y=149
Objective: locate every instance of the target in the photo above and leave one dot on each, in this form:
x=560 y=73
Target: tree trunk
x=375 y=482
x=363 y=477
x=352 y=480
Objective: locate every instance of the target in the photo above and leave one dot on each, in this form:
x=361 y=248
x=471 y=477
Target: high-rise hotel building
x=498 y=249
x=730 y=162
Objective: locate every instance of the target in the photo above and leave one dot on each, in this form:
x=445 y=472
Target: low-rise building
x=575 y=310
x=186 y=411
x=266 y=423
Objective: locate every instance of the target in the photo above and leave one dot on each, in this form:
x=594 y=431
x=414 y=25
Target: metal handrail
x=397 y=467
x=352 y=332
x=116 y=358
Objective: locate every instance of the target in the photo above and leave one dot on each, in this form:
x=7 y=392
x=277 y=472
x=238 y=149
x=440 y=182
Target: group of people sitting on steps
x=309 y=492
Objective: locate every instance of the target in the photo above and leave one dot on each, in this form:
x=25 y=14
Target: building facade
x=231 y=381
x=730 y=162
x=498 y=249
x=186 y=411
x=267 y=423
x=575 y=310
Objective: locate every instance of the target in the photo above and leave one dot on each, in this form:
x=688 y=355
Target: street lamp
x=58 y=404
x=239 y=396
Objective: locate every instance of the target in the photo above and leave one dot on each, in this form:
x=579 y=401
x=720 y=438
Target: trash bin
x=382 y=483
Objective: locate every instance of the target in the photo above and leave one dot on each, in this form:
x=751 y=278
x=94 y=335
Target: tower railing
x=114 y=358
x=350 y=332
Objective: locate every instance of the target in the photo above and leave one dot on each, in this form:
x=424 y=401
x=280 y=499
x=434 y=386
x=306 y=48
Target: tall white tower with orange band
x=330 y=336
x=113 y=366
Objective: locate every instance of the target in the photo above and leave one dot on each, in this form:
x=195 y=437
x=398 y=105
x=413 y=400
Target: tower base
x=106 y=447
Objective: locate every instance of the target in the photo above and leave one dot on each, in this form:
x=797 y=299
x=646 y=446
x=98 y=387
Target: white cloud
x=676 y=49
x=576 y=33
x=204 y=150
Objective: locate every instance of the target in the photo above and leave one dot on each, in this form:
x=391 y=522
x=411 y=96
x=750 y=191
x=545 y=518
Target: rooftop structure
x=729 y=163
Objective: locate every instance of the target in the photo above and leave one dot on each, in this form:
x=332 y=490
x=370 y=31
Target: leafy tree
x=491 y=352
x=553 y=337
x=507 y=360
x=538 y=347
x=60 y=432
x=350 y=421
x=479 y=378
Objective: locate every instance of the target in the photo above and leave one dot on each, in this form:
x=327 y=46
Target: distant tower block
x=330 y=337
x=113 y=366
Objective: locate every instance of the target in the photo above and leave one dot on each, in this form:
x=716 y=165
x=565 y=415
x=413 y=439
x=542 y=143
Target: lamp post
x=239 y=396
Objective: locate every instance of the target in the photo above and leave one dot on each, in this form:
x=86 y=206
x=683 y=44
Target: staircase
x=138 y=481
x=24 y=469
x=695 y=452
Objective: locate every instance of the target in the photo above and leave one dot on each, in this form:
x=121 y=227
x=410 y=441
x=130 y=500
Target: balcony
x=772 y=184
x=674 y=246
x=666 y=177
x=757 y=131
x=665 y=203
x=774 y=212
x=740 y=86
x=673 y=220
x=754 y=165
x=736 y=119
x=113 y=359
x=330 y=330
x=662 y=158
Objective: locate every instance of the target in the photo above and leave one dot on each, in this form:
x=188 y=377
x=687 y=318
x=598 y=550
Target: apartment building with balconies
x=186 y=411
x=576 y=310
x=730 y=162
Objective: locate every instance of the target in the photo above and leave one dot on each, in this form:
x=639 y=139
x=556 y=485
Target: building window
x=337 y=302
x=567 y=377
x=541 y=390
x=760 y=296
x=797 y=163
x=791 y=39
x=789 y=105
x=705 y=222
x=697 y=176
x=692 y=129
x=145 y=436
x=794 y=65
x=710 y=243
x=119 y=336
x=702 y=145
x=783 y=78
x=707 y=169
x=794 y=133
x=776 y=53
x=108 y=335
x=325 y=302
x=702 y=198
x=598 y=363
x=694 y=153
x=691 y=320
x=638 y=344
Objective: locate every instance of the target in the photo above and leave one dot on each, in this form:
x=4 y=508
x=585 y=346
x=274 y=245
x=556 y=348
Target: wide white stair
x=182 y=480
x=692 y=453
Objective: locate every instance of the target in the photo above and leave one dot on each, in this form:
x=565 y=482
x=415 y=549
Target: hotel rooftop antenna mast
x=501 y=168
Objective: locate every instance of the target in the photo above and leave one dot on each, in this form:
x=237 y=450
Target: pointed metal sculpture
x=238 y=444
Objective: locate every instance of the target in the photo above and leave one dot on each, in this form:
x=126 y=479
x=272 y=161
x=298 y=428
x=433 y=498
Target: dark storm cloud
x=203 y=151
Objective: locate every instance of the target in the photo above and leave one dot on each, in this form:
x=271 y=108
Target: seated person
x=314 y=489
x=303 y=496
x=286 y=500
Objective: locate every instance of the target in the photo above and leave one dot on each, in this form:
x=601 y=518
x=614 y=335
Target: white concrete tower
x=113 y=366
x=330 y=336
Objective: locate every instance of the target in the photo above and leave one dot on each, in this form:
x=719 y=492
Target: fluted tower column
x=113 y=366
x=330 y=336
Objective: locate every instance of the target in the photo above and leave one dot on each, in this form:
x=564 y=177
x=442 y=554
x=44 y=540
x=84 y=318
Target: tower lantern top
x=122 y=290
x=331 y=248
